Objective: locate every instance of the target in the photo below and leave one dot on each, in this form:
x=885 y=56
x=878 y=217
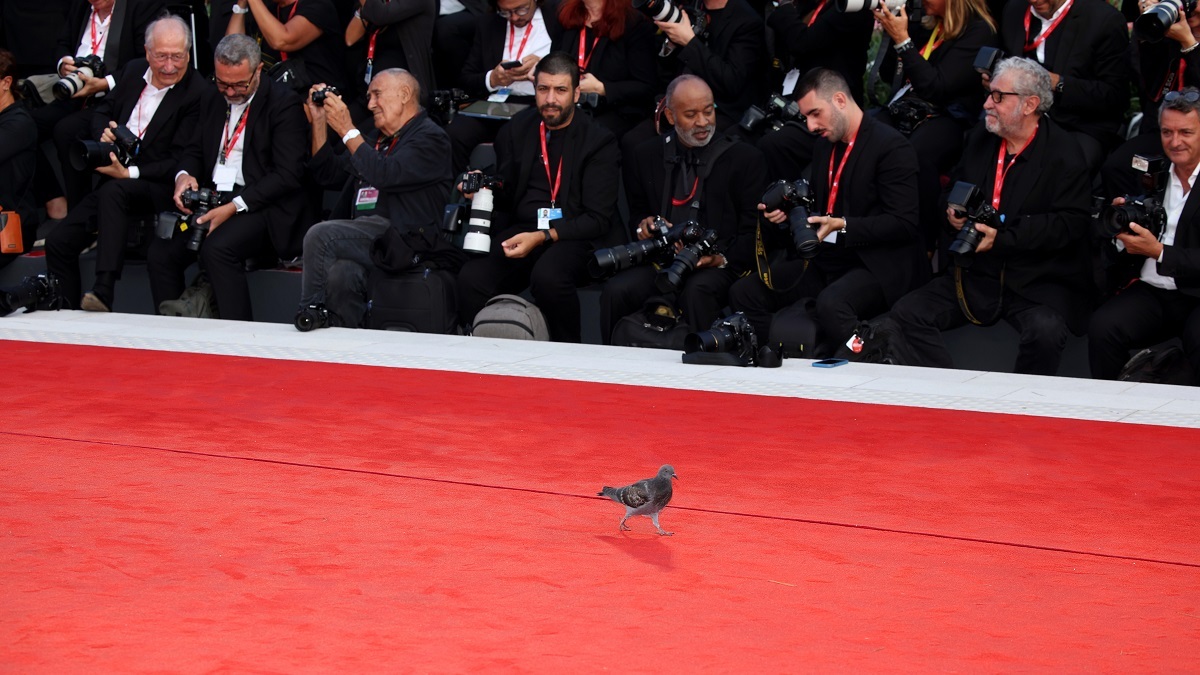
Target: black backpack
x=422 y=300
x=657 y=325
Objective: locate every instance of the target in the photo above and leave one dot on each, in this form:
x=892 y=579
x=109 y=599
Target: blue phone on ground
x=829 y=363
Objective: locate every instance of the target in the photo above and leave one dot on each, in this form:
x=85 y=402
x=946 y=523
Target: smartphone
x=829 y=363
x=509 y=65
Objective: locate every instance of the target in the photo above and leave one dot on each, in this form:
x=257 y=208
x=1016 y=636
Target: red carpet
x=178 y=512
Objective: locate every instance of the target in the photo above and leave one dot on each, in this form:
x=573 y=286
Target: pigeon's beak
x=675 y=476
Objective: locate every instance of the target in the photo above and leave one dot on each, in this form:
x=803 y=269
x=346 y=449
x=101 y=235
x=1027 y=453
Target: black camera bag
x=656 y=325
x=422 y=300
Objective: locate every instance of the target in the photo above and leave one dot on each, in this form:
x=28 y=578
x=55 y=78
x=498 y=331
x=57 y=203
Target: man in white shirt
x=1163 y=300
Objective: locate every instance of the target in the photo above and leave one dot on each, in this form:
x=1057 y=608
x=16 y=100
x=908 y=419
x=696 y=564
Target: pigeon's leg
x=624 y=527
x=654 y=519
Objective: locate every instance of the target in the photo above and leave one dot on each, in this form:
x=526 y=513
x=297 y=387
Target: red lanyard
x=371 y=54
x=583 y=63
x=283 y=55
x=379 y=142
x=232 y=141
x=1037 y=41
x=1173 y=81
x=97 y=39
x=143 y=125
x=1002 y=168
x=835 y=180
x=512 y=40
x=817 y=12
x=681 y=202
x=557 y=181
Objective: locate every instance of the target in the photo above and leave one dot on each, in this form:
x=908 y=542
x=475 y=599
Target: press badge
x=224 y=177
x=500 y=95
x=547 y=215
x=366 y=200
x=790 y=81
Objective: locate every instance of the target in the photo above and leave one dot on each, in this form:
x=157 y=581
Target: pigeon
x=645 y=497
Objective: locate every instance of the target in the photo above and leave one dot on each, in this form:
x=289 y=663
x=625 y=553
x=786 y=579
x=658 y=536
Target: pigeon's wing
x=637 y=494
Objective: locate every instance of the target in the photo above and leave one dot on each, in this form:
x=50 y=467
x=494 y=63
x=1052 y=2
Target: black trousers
x=552 y=272
x=923 y=314
x=700 y=300
x=850 y=297
x=223 y=256
x=104 y=217
x=47 y=117
x=1141 y=316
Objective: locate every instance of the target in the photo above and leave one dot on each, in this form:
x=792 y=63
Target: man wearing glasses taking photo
x=249 y=148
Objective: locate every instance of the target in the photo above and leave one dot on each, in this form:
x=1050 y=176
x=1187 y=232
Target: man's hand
x=67 y=67
x=956 y=221
x=219 y=215
x=459 y=186
x=316 y=113
x=774 y=216
x=588 y=84
x=643 y=228
x=91 y=86
x=184 y=182
x=680 y=33
x=826 y=225
x=989 y=238
x=896 y=26
x=114 y=169
x=1179 y=31
x=107 y=135
x=714 y=260
x=337 y=115
x=522 y=244
x=1140 y=241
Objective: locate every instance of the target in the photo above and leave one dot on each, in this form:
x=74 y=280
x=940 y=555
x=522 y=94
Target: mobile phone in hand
x=509 y=65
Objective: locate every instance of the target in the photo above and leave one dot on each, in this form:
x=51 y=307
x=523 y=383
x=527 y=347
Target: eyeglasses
x=998 y=96
x=1189 y=97
x=177 y=58
x=522 y=12
x=236 y=86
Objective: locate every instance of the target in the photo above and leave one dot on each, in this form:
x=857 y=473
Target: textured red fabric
x=182 y=512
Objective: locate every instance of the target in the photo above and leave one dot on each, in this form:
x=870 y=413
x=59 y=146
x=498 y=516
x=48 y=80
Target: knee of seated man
x=1044 y=325
x=346 y=275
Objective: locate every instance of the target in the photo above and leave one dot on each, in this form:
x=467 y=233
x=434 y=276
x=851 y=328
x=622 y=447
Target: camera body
x=668 y=12
x=199 y=202
x=86 y=155
x=1145 y=209
x=1152 y=25
x=730 y=342
x=478 y=238
x=697 y=243
x=778 y=112
x=34 y=292
x=444 y=103
x=318 y=96
x=794 y=198
x=967 y=201
x=608 y=261
x=90 y=66
x=893 y=6
x=311 y=317
x=986 y=60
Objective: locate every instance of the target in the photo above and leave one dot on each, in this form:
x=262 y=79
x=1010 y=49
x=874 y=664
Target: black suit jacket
x=170 y=130
x=276 y=148
x=491 y=33
x=626 y=67
x=877 y=196
x=589 y=176
x=127 y=29
x=948 y=79
x=1181 y=260
x=732 y=60
x=1046 y=200
x=728 y=198
x=1089 y=52
x=836 y=40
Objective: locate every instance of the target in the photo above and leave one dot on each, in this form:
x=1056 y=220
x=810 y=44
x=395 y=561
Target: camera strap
x=763 y=263
x=961 y=294
x=706 y=161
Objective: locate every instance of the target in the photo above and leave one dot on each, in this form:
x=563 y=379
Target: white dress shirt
x=539 y=43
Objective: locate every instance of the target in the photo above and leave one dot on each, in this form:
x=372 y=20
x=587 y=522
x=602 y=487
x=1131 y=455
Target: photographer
x=308 y=34
x=1164 y=65
x=558 y=201
x=1027 y=264
x=689 y=174
x=863 y=180
x=18 y=144
x=393 y=34
x=935 y=99
x=1084 y=45
x=1163 y=300
x=396 y=175
x=250 y=146
x=157 y=99
x=519 y=31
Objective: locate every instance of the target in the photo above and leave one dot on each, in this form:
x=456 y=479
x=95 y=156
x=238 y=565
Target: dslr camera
x=608 y=261
x=311 y=317
x=318 y=96
x=893 y=6
x=794 y=198
x=479 y=224
x=444 y=103
x=968 y=202
x=34 y=292
x=986 y=60
x=85 y=66
x=1145 y=209
x=86 y=155
x=697 y=243
x=778 y=112
x=199 y=202
x=730 y=342
x=668 y=12
x=1152 y=25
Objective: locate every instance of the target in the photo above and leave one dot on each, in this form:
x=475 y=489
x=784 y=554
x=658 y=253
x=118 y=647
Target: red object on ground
x=184 y=512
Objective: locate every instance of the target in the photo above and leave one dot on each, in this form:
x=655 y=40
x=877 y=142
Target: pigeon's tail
x=610 y=492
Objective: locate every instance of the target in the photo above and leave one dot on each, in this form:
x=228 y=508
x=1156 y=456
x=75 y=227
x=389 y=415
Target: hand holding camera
x=896 y=25
x=184 y=183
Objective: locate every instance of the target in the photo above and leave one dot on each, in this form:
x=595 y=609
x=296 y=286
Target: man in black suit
x=864 y=188
x=1163 y=301
x=115 y=30
x=558 y=201
x=690 y=174
x=158 y=100
x=1028 y=265
x=1084 y=44
x=250 y=147
x=518 y=31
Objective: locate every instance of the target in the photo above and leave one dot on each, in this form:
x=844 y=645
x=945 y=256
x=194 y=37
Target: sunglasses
x=1189 y=97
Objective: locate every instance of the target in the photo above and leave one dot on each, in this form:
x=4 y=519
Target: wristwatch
x=548 y=237
x=1058 y=88
x=904 y=46
x=238 y=9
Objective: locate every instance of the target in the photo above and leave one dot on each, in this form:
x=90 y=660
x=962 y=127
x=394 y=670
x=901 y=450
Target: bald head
x=691 y=110
x=394 y=98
